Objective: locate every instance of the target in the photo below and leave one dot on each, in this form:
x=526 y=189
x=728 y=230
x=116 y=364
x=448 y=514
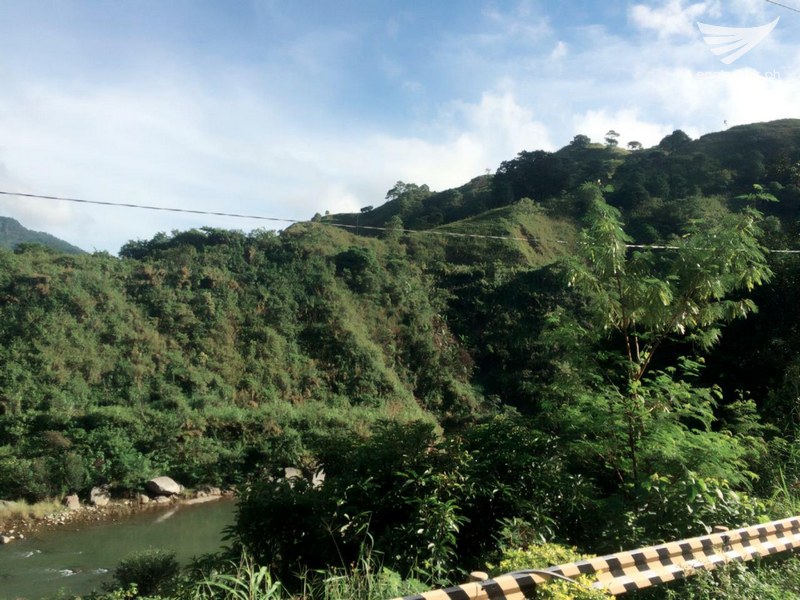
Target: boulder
x=72 y=502
x=161 y=500
x=144 y=499
x=163 y=486
x=5 y=539
x=99 y=496
x=290 y=473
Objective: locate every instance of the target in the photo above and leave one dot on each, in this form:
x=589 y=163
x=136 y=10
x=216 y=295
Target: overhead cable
x=330 y=223
x=797 y=10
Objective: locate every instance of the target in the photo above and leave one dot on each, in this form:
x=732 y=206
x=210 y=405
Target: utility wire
x=330 y=223
x=261 y=217
x=148 y=207
x=797 y=10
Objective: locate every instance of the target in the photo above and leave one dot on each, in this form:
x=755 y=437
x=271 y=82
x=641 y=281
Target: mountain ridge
x=13 y=233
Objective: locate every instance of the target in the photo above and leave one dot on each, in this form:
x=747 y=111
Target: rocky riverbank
x=101 y=506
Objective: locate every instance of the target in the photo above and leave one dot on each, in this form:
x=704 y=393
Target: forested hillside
x=594 y=346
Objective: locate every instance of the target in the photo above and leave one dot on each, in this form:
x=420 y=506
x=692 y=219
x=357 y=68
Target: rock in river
x=99 y=496
x=72 y=502
x=163 y=486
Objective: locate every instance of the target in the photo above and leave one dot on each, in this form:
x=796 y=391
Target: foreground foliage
x=775 y=579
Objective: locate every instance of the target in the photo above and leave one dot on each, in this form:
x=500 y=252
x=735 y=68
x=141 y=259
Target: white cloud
x=473 y=137
x=504 y=122
x=37 y=214
x=560 y=51
x=750 y=8
x=738 y=96
x=519 y=23
x=189 y=146
x=672 y=18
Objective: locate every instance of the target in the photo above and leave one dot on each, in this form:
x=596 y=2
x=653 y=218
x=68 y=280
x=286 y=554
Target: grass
x=364 y=583
x=524 y=220
x=22 y=511
x=247 y=582
x=366 y=579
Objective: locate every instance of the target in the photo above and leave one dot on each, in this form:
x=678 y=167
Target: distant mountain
x=12 y=234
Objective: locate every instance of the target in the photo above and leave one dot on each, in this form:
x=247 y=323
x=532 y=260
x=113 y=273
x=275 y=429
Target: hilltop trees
x=674 y=141
x=535 y=175
x=408 y=196
x=580 y=141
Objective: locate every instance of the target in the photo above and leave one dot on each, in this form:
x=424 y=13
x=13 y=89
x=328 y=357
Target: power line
x=149 y=207
x=260 y=217
x=797 y=10
x=329 y=223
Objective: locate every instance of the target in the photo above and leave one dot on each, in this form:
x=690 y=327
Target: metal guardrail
x=637 y=569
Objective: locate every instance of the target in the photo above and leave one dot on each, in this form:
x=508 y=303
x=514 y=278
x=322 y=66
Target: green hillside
x=519 y=234
x=477 y=370
x=12 y=234
x=212 y=338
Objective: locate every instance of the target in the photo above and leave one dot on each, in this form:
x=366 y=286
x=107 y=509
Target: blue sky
x=288 y=108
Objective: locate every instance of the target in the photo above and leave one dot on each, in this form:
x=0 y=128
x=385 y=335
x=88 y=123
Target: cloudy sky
x=286 y=108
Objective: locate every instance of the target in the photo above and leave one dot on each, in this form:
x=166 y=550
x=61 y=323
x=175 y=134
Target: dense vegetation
x=514 y=373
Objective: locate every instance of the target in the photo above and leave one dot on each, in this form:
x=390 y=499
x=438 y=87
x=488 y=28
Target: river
x=80 y=558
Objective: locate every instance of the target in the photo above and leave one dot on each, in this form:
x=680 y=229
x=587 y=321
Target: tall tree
x=641 y=299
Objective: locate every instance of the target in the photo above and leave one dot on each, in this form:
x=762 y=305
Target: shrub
x=541 y=556
x=775 y=580
x=153 y=571
x=401 y=487
x=671 y=508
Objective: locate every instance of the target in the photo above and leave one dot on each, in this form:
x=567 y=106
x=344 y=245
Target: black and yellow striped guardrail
x=637 y=569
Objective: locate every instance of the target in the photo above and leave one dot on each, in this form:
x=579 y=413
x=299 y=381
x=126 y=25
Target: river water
x=80 y=558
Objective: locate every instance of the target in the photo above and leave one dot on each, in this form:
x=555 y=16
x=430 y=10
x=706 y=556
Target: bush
x=671 y=508
x=22 y=478
x=775 y=580
x=431 y=506
x=402 y=488
x=152 y=571
x=520 y=489
x=541 y=556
